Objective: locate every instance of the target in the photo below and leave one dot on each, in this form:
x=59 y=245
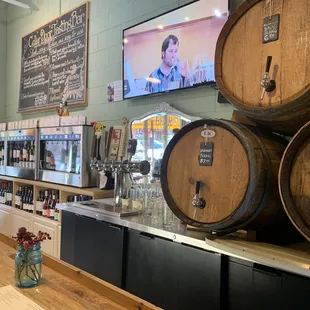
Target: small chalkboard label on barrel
x=206 y=154
x=271 y=28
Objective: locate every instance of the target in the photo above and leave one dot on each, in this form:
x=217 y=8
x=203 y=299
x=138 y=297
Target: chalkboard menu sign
x=54 y=62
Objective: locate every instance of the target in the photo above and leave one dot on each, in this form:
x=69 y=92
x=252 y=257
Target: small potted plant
x=28 y=260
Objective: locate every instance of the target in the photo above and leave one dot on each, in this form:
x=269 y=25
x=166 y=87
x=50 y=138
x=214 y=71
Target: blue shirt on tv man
x=168 y=76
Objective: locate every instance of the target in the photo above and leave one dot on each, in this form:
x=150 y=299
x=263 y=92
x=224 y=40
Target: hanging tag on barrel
x=205 y=157
x=206 y=154
x=271 y=28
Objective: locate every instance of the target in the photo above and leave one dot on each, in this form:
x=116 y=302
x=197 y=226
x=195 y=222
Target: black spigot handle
x=145 y=167
x=268 y=64
x=197 y=187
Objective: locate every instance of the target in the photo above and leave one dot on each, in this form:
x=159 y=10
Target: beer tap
x=267 y=84
x=122 y=169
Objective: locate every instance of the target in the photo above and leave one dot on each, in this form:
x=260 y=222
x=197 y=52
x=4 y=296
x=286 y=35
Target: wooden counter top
x=62 y=289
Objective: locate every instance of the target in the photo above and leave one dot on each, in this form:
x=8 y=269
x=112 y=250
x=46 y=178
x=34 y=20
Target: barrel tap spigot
x=266 y=83
x=198 y=202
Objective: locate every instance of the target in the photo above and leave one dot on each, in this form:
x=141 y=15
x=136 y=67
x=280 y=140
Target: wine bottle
x=3 y=153
x=47 y=158
x=45 y=204
x=52 y=210
x=25 y=200
x=28 y=156
x=52 y=162
x=16 y=155
x=74 y=156
x=49 y=205
x=24 y=154
x=17 y=198
x=56 y=216
x=32 y=155
x=30 y=201
x=12 y=158
x=9 y=195
x=20 y=155
x=2 y=193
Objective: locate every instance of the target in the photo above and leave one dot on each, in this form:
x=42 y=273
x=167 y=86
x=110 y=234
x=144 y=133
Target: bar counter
x=294 y=258
x=61 y=289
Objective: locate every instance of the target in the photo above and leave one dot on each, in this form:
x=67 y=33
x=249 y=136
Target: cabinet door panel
x=253 y=287
x=67 y=243
x=200 y=279
x=48 y=246
x=138 y=259
x=99 y=249
x=152 y=269
x=295 y=293
x=163 y=260
x=19 y=221
x=5 y=221
x=240 y=287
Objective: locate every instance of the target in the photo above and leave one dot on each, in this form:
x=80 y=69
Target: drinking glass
x=168 y=216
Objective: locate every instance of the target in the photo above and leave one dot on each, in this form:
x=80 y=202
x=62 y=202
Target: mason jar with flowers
x=28 y=260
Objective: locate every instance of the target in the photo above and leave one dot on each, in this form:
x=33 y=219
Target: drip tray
x=107 y=209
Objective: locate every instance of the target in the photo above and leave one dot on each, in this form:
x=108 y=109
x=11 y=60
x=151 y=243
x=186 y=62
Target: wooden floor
x=55 y=291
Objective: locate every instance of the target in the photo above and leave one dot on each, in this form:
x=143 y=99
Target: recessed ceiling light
x=187 y=18
x=125 y=40
x=160 y=27
x=217 y=13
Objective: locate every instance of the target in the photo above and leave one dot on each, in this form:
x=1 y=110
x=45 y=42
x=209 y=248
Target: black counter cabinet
x=170 y=275
x=176 y=276
x=257 y=287
x=94 y=246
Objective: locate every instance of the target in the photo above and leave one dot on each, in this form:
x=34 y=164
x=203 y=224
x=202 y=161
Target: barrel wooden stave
x=241 y=186
x=241 y=59
x=294 y=180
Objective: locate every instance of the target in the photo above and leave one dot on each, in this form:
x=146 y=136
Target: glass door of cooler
x=60 y=155
x=21 y=153
x=2 y=153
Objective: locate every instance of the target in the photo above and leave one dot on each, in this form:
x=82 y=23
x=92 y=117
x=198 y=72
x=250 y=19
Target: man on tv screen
x=170 y=74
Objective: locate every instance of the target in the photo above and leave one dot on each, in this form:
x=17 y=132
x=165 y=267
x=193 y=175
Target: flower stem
x=34 y=273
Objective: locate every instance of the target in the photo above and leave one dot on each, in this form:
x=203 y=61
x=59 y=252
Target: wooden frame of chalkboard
x=54 y=63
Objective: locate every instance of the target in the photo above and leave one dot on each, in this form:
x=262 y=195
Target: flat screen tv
x=173 y=51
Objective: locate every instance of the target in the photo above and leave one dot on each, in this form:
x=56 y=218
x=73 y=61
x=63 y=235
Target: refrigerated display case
x=21 y=153
x=65 y=156
x=2 y=152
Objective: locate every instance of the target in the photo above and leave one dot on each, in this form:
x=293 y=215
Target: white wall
x=107 y=19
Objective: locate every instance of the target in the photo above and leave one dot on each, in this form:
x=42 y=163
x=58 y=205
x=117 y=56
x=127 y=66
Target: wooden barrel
x=236 y=167
x=241 y=56
x=294 y=181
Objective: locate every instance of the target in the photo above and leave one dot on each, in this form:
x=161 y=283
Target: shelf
x=64 y=193
x=94 y=192
x=34 y=215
